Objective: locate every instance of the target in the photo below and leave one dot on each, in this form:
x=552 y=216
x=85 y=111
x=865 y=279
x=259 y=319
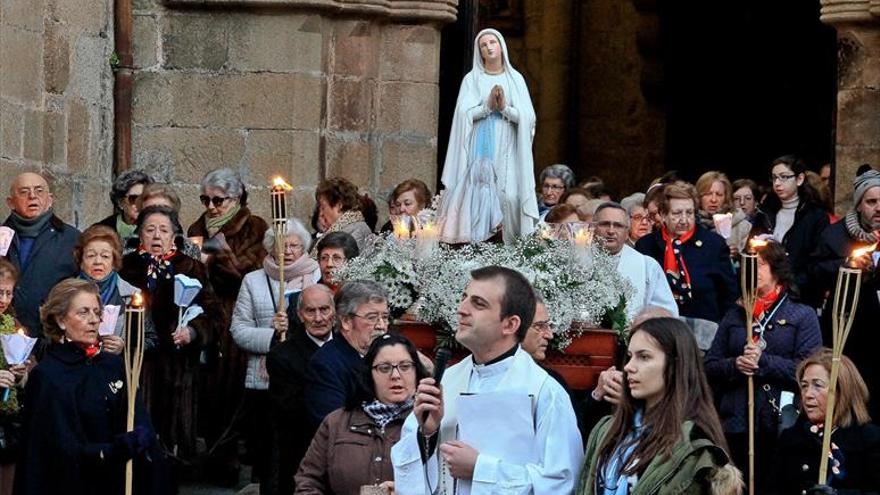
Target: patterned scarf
x=346 y=219
x=106 y=286
x=675 y=268
x=383 y=413
x=213 y=225
x=855 y=230
x=157 y=266
x=612 y=481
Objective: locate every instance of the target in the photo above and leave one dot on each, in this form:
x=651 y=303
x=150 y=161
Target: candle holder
x=843 y=310
x=427 y=240
x=133 y=355
x=749 y=289
x=278 y=196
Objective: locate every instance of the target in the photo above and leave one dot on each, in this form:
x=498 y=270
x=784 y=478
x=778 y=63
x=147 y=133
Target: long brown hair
x=686 y=396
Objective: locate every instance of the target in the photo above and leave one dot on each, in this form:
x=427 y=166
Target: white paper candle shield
x=108 y=320
x=185 y=290
x=6 y=235
x=17 y=347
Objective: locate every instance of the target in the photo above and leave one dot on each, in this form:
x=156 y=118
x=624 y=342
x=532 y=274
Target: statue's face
x=490 y=48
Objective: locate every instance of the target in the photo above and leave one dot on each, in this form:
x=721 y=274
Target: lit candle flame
x=863 y=251
x=582 y=237
x=20 y=331
x=401 y=230
x=428 y=228
x=755 y=244
x=279 y=184
x=137 y=300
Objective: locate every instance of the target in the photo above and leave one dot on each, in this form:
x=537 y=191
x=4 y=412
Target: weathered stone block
x=56 y=57
x=44 y=136
x=188 y=153
x=25 y=14
x=857 y=122
x=78 y=135
x=292 y=154
x=91 y=78
x=21 y=59
x=355 y=49
x=349 y=158
x=277 y=43
x=194 y=41
x=11 y=123
x=145 y=40
x=90 y=17
x=408 y=108
x=404 y=159
x=350 y=105
x=410 y=53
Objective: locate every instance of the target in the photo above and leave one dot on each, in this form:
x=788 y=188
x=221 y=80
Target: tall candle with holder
x=749 y=289
x=279 y=223
x=843 y=311
x=133 y=355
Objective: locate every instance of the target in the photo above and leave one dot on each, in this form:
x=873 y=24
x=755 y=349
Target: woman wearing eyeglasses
x=125 y=193
x=258 y=323
x=352 y=447
x=797 y=217
x=233 y=238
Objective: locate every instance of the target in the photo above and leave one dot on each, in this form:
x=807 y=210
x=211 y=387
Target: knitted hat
x=866 y=180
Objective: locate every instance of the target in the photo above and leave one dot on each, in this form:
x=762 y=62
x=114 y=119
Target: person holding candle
x=352 y=447
x=716 y=198
x=858 y=231
x=12 y=378
x=664 y=436
x=169 y=381
x=233 y=247
x=124 y=194
x=855 y=452
x=76 y=404
x=785 y=332
x=339 y=208
x=696 y=261
x=258 y=323
x=797 y=218
x=98 y=253
x=409 y=198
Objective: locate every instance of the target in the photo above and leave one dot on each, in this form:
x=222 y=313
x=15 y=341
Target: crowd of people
x=323 y=395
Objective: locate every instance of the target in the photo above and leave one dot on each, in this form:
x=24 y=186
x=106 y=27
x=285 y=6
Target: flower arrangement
x=589 y=292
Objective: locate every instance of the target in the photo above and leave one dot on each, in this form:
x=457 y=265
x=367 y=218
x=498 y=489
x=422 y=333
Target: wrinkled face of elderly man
x=29 y=196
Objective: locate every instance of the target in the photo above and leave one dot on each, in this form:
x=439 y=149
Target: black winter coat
x=797 y=459
x=800 y=242
x=74 y=409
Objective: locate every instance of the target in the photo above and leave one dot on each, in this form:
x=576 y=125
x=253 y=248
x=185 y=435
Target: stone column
x=858 y=90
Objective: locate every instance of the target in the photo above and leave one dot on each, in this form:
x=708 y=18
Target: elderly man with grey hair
x=649 y=283
x=554 y=180
x=361 y=316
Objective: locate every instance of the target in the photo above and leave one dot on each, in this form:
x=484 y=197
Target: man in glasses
x=650 y=288
x=361 y=316
x=41 y=249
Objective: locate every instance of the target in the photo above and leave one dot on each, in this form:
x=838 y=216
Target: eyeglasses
x=292 y=248
x=401 y=367
x=640 y=218
x=781 y=178
x=375 y=318
x=553 y=187
x=337 y=259
x=543 y=326
x=132 y=198
x=681 y=214
x=216 y=200
x=610 y=225
x=26 y=192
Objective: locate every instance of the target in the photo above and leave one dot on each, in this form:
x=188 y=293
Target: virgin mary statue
x=488 y=173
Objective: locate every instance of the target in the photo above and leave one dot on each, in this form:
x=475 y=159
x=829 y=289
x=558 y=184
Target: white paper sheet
x=17 y=347
x=185 y=290
x=108 y=320
x=6 y=235
x=723 y=224
x=498 y=423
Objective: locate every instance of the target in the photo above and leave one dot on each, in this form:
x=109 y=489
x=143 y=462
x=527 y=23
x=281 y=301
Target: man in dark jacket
x=286 y=364
x=859 y=229
x=42 y=248
x=362 y=315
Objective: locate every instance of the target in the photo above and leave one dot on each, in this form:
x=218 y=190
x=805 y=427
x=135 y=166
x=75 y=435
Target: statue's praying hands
x=496 y=99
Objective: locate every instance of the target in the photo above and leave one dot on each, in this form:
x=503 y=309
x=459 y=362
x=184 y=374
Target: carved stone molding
x=850 y=11
x=442 y=11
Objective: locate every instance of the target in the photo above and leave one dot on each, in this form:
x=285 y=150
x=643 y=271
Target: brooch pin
x=781 y=322
x=699 y=243
x=115 y=386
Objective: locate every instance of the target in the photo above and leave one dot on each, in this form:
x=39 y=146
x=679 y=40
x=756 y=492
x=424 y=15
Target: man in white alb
x=455 y=444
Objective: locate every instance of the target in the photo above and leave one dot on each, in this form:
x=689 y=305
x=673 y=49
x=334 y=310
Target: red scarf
x=91 y=350
x=763 y=303
x=673 y=262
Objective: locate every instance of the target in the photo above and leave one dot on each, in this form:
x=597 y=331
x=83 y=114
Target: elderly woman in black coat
x=76 y=406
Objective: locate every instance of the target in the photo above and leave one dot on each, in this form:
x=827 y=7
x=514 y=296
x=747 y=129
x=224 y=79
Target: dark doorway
x=746 y=81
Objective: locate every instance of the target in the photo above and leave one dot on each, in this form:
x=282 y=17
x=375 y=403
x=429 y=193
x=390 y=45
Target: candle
x=426 y=240
x=401 y=229
x=279 y=199
x=133 y=353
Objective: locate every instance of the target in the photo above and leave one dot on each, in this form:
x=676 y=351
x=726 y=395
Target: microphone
x=440 y=362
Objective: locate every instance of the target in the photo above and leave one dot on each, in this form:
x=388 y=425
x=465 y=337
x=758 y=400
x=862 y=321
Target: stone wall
x=303 y=94
x=56 y=100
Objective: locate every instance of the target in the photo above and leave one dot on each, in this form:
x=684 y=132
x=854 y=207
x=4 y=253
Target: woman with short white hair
x=258 y=323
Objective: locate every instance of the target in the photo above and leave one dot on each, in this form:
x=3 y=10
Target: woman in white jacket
x=258 y=322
